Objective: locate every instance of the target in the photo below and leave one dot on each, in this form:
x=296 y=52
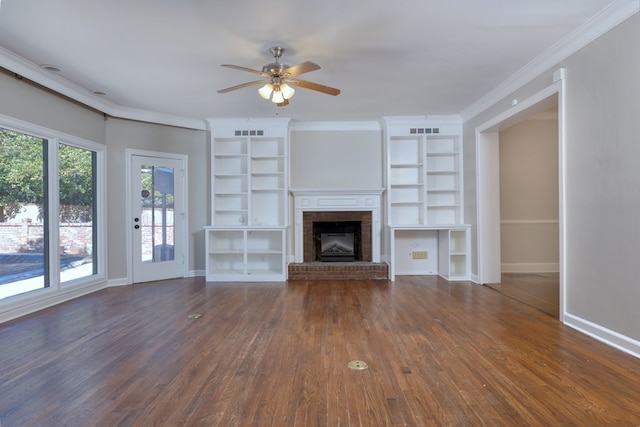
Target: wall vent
x=246 y=132
x=424 y=130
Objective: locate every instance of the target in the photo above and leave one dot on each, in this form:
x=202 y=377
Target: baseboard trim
x=31 y=304
x=523 y=267
x=600 y=333
x=118 y=282
x=195 y=273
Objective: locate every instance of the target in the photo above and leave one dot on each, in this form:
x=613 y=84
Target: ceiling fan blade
x=315 y=86
x=229 y=89
x=304 y=67
x=283 y=103
x=249 y=70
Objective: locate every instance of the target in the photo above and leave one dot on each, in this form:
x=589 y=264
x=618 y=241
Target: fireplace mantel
x=324 y=199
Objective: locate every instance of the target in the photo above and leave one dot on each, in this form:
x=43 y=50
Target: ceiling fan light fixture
x=277 y=96
x=266 y=90
x=277 y=74
x=287 y=91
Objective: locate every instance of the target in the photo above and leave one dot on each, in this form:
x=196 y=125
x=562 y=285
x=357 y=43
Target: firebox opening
x=337 y=241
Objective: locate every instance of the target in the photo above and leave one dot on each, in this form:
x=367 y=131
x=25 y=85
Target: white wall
x=602 y=197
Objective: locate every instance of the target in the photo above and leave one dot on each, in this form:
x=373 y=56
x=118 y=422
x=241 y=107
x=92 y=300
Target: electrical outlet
x=419 y=254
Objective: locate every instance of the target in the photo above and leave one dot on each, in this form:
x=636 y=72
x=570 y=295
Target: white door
x=157 y=221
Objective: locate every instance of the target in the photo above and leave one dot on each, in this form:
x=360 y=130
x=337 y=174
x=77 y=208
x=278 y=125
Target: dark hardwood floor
x=539 y=290
x=439 y=353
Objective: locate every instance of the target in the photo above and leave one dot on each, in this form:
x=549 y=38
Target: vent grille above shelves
x=424 y=130
x=246 y=132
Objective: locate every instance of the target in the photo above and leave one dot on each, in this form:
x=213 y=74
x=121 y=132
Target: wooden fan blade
x=304 y=67
x=248 y=70
x=283 y=103
x=315 y=86
x=229 y=89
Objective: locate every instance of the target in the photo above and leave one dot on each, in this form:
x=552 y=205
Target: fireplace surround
x=315 y=223
x=337 y=205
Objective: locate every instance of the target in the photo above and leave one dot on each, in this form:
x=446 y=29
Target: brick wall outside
x=28 y=238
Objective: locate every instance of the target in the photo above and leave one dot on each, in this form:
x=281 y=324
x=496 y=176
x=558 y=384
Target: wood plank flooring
x=439 y=353
x=539 y=290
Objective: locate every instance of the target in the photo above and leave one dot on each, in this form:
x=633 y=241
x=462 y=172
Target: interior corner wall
x=123 y=134
x=602 y=197
x=336 y=159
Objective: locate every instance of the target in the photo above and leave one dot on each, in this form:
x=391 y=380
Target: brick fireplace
x=363 y=240
x=335 y=206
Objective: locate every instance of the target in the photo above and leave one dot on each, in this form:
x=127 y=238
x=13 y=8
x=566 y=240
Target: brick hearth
x=338 y=271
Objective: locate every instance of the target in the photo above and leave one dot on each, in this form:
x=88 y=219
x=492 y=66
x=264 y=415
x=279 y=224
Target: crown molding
x=605 y=20
x=335 y=126
x=426 y=120
x=31 y=71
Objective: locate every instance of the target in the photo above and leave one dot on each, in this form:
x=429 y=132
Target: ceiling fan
x=279 y=77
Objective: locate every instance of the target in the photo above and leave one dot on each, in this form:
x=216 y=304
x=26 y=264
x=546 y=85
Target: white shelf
x=446 y=247
x=249 y=212
x=245 y=254
x=424 y=197
x=423 y=177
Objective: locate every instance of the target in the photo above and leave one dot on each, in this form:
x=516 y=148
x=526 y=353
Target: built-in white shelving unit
x=245 y=254
x=247 y=235
x=424 y=209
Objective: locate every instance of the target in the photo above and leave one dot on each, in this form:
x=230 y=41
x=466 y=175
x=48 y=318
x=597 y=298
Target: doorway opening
x=490 y=206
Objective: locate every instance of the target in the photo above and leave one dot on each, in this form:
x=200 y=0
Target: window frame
x=53 y=140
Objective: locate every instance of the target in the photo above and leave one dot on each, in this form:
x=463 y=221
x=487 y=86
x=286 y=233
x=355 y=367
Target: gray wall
x=336 y=159
x=602 y=192
x=31 y=103
x=123 y=134
x=23 y=100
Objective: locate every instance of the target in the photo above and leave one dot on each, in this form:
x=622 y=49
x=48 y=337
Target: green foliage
x=21 y=172
x=76 y=183
x=22 y=176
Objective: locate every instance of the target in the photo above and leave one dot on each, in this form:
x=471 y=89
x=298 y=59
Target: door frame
x=182 y=230
x=488 y=185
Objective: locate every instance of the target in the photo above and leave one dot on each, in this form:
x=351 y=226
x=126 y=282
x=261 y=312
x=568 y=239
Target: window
x=77 y=223
x=23 y=213
x=43 y=173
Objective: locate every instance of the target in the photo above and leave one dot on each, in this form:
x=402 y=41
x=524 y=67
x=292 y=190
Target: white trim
x=426 y=120
x=328 y=199
x=41 y=299
x=129 y=153
x=595 y=27
x=529 y=221
x=111 y=283
x=605 y=335
x=335 y=126
x=31 y=71
x=487 y=187
x=324 y=192
x=58 y=291
x=196 y=273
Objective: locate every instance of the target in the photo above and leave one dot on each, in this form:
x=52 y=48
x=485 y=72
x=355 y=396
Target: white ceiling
x=407 y=57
